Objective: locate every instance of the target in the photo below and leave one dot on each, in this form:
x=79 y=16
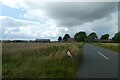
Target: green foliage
x=91 y=37
x=116 y=38
x=105 y=37
x=80 y=37
x=66 y=36
x=59 y=38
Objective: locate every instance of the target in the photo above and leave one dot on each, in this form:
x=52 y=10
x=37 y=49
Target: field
x=111 y=46
x=40 y=60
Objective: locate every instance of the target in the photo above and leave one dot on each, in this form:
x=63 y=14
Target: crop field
x=111 y=46
x=40 y=60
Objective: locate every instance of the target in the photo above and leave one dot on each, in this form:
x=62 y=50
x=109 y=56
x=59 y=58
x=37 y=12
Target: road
x=98 y=63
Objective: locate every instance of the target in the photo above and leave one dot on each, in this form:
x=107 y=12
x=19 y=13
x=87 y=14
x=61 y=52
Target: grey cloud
x=106 y=25
x=72 y=13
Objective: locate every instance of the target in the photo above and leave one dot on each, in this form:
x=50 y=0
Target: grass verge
x=26 y=60
x=111 y=46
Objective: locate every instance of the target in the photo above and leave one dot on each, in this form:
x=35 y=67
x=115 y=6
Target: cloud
x=73 y=14
x=9 y=21
x=70 y=14
x=50 y=20
x=14 y=3
x=22 y=29
x=89 y=16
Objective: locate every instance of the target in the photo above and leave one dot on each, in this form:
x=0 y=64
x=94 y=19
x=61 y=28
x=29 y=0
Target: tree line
x=82 y=37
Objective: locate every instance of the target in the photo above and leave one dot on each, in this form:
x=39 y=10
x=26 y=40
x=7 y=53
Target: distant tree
x=80 y=37
x=116 y=38
x=105 y=36
x=59 y=38
x=91 y=37
x=66 y=36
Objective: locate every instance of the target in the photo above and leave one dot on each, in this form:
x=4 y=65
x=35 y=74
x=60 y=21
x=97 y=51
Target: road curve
x=98 y=63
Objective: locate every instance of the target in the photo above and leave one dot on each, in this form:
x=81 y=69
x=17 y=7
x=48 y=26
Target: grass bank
x=111 y=46
x=37 y=60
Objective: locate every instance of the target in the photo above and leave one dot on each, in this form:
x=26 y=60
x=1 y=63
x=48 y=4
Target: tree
x=66 y=36
x=80 y=37
x=59 y=38
x=91 y=37
x=116 y=38
x=105 y=36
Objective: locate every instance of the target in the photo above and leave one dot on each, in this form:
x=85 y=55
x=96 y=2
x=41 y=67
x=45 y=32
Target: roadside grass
x=36 y=60
x=111 y=46
x=0 y=60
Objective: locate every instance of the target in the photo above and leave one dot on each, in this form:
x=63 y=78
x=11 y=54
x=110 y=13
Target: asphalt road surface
x=98 y=63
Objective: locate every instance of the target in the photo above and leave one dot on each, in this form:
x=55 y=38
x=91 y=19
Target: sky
x=25 y=19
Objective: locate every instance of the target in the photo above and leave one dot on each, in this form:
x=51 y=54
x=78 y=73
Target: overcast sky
x=30 y=19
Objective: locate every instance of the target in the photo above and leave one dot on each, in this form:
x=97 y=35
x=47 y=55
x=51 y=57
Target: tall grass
x=0 y=60
x=36 y=60
x=111 y=46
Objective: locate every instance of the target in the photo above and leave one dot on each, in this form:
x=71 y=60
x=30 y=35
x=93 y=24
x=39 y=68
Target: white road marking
x=102 y=55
